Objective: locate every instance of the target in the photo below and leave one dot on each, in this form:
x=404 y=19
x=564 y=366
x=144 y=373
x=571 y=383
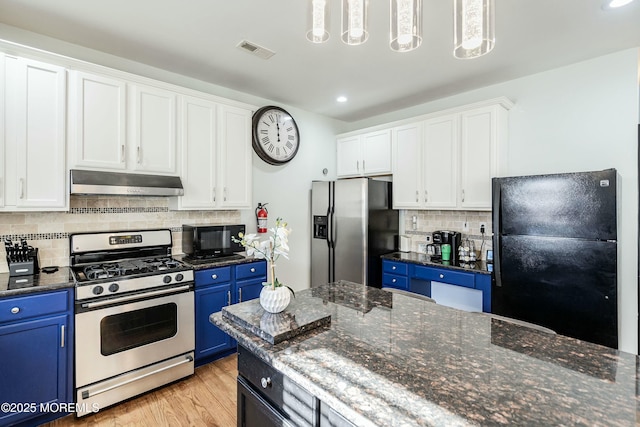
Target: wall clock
x=275 y=135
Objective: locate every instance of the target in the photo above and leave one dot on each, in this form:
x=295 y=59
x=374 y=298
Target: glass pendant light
x=474 y=28
x=406 y=25
x=354 y=21
x=319 y=22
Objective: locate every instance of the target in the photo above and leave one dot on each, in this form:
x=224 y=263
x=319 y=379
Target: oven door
x=138 y=331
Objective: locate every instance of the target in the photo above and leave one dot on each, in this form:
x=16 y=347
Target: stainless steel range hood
x=124 y=184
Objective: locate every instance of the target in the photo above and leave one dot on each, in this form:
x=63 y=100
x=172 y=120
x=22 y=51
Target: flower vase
x=275 y=300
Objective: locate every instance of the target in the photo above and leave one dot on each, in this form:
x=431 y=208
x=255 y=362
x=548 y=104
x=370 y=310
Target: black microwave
x=210 y=241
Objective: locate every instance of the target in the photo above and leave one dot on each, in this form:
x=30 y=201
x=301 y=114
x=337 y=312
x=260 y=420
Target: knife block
x=28 y=267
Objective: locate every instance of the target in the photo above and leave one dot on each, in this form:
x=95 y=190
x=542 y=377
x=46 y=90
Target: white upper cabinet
x=367 y=154
x=215 y=156
x=97 y=117
x=34 y=174
x=447 y=161
x=119 y=125
x=234 y=162
x=153 y=129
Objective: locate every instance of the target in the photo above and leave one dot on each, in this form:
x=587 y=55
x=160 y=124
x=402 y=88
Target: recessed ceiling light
x=612 y=4
x=341 y=99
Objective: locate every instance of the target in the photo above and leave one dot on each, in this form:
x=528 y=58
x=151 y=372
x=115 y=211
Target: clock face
x=275 y=135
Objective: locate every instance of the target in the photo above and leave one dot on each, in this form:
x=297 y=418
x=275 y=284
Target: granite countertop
x=203 y=264
x=41 y=282
x=393 y=360
x=423 y=259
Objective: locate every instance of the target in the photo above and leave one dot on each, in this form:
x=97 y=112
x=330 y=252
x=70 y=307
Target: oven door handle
x=136 y=297
x=87 y=394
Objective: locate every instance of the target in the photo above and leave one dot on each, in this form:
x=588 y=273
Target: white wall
x=576 y=118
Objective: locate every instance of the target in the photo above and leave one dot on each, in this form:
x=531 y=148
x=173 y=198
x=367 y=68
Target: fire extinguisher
x=261 y=217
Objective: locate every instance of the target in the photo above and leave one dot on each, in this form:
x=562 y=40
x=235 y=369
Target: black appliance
x=446 y=237
x=211 y=241
x=555 y=253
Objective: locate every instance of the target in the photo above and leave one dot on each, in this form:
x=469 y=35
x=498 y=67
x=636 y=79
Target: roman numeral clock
x=275 y=135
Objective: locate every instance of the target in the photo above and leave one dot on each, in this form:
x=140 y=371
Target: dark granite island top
x=393 y=360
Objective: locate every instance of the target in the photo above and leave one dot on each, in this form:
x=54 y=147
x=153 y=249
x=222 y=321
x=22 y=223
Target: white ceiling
x=198 y=38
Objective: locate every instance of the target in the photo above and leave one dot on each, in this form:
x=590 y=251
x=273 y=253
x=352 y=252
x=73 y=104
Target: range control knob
x=114 y=287
x=98 y=290
x=166 y=279
x=179 y=277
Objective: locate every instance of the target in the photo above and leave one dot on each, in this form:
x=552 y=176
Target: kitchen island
x=388 y=359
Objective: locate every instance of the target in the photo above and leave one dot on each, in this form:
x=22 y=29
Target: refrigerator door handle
x=333 y=228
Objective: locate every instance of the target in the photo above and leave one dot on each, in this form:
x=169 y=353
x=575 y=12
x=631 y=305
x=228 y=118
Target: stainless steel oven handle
x=135 y=297
x=87 y=394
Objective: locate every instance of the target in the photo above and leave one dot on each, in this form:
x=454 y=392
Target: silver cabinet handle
x=22 y=188
x=15 y=310
x=253 y=270
x=214 y=194
x=228 y=297
x=417 y=196
x=138 y=154
x=239 y=294
x=462 y=195
x=442 y=276
x=426 y=196
x=363 y=167
x=265 y=382
x=62 y=336
x=358 y=165
x=224 y=194
x=214 y=276
x=122 y=153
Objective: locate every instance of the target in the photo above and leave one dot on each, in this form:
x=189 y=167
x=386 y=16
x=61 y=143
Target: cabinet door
x=477 y=165
x=235 y=156
x=376 y=153
x=34 y=364
x=440 y=159
x=2 y=126
x=35 y=134
x=153 y=128
x=209 y=338
x=349 y=158
x=198 y=153
x=97 y=107
x=249 y=289
x=407 y=166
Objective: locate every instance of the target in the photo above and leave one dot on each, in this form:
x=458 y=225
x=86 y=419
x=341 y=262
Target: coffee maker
x=447 y=237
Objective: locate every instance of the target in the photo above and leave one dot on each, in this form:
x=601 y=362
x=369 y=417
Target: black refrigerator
x=555 y=253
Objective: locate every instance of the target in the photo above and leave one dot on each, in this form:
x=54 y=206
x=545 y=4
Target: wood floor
x=206 y=399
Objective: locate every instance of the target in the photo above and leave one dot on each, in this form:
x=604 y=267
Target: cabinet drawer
x=394 y=281
x=253 y=269
x=393 y=267
x=32 y=305
x=212 y=276
x=445 y=276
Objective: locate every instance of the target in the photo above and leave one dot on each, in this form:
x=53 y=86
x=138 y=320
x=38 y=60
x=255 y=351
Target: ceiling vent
x=254 y=49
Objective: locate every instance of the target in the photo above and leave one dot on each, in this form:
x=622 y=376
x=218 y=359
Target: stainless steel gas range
x=134 y=315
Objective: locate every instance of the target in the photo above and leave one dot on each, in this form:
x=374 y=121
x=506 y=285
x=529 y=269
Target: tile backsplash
x=49 y=231
x=429 y=221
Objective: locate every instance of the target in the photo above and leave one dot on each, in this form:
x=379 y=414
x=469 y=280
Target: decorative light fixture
x=474 y=32
x=354 y=21
x=618 y=3
x=406 y=25
x=319 y=32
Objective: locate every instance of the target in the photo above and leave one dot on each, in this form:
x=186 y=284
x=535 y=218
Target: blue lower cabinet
x=395 y=281
x=209 y=338
x=215 y=289
x=36 y=375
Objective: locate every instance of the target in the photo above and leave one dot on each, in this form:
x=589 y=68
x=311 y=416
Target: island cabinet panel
x=216 y=288
x=36 y=339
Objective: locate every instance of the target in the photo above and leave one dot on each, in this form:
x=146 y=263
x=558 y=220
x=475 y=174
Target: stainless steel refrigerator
x=555 y=253
x=352 y=225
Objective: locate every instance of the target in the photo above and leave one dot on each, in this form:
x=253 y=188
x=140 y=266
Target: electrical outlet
x=483 y=226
